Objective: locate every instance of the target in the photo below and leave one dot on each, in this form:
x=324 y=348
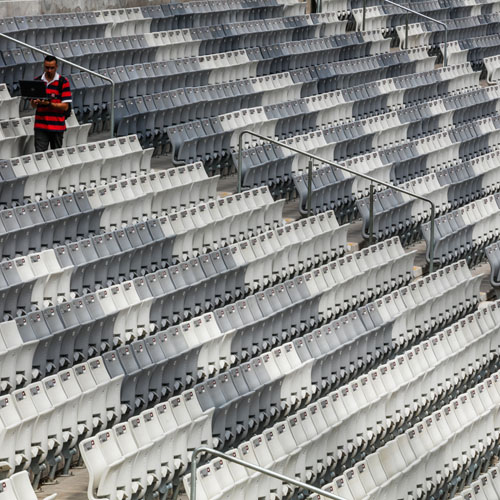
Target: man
x=50 y=116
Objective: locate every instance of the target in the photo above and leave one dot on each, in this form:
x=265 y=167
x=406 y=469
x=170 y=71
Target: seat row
x=486 y=486
x=396 y=469
x=39 y=175
x=385 y=17
x=177 y=44
x=475 y=50
x=177 y=15
x=17 y=135
x=50 y=28
x=448 y=188
x=464 y=233
x=430 y=34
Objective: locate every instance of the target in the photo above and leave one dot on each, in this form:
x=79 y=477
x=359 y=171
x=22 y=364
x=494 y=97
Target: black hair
x=51 y=58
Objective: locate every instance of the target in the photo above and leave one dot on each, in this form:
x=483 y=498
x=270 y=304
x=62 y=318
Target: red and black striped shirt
x=50 y=119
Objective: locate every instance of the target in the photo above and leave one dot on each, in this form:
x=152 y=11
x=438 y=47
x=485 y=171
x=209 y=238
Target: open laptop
x=33 y=89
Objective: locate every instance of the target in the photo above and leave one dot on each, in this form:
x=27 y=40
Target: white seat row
x=33 y=280
x=9 y=106
x=440 y=149
x=401 y=466
x=18 y=135
x=178 y=44
x=48 y=418
x=37 y=175
x=18 y=487
x=465 y=230
x=485 y=487
x=120 y=24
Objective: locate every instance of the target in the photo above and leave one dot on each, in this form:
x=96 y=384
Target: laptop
x=33 y=89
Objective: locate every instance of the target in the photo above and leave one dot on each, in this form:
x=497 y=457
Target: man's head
x=50 y=67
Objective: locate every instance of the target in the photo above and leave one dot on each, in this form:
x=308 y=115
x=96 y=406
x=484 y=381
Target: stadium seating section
x=146 y=312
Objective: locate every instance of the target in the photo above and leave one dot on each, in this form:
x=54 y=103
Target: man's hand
x=39 y=102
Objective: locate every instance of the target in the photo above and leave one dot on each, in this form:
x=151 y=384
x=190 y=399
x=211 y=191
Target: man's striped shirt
x=50 y=119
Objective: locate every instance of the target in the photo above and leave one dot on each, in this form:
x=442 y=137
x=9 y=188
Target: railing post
x=445 y=55
x=240 y=161
x=112 y=118
x=372 y=236
x=433 y=224
x=194 y=462
x=406 y=32
x=309 y=186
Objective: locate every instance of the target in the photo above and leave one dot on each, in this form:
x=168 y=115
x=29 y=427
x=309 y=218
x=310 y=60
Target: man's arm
x=59 y=106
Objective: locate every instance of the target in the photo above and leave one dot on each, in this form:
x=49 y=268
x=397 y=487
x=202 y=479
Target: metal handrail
x=407 y=9
x=372 y=180
x=77 y=66
x=257 y=468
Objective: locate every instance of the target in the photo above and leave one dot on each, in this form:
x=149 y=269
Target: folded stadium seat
x=491 y=64
x=14 y=138
x=21 y=487
x=76 y=133
x=9 y=106
x=12 y=422
x=492 y=253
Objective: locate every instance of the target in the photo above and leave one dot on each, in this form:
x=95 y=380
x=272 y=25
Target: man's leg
x=41 y=140
x=56 y=140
